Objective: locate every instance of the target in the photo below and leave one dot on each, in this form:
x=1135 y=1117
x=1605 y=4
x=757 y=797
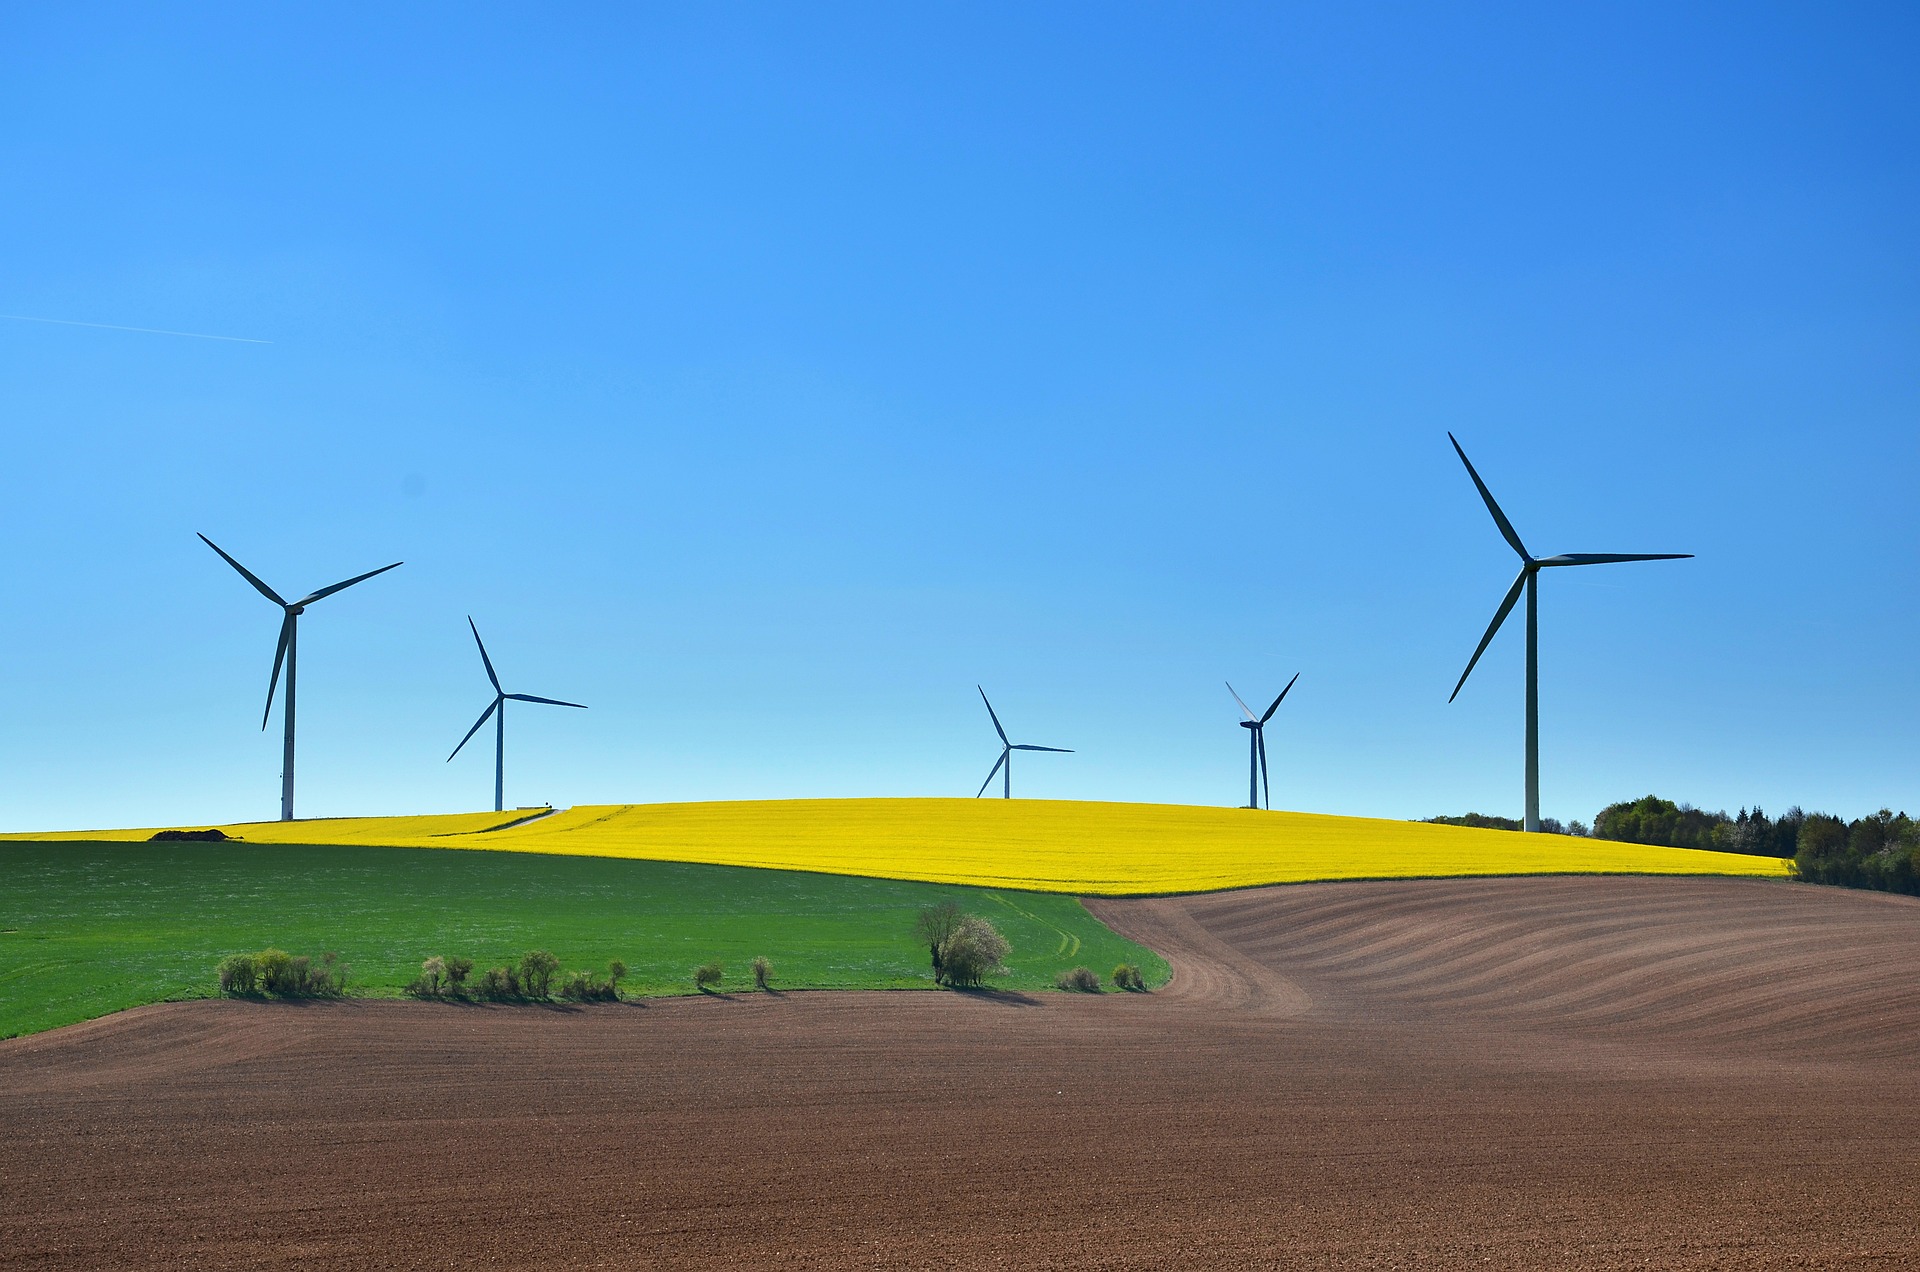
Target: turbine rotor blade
x=991 y=774
x=325 y=592
x=1242 y=701
x=1608 y=558
x=1024 y=747
x=1277 y=701
x=1506 y=607
x=996 y=719
x=1499 y=517
x=279 y=655
x=484 y=716
x=485 y=661
x=245 y=573
x=1261 y=740
x=552 y=702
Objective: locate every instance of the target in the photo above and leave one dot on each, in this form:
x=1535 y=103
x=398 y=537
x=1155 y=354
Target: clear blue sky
x=765 y=376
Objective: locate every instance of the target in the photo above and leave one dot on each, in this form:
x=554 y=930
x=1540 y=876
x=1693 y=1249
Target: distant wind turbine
x=1006 y=754
x=499 y=704
x=1257 y=744
x=1530 y=568
x=288 y=651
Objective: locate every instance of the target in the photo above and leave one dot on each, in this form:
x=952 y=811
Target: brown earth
x=1564 y=1073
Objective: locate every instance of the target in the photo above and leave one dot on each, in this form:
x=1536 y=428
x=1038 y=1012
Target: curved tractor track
x=1521 y=1073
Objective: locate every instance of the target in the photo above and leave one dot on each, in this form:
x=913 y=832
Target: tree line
x=1881 y=850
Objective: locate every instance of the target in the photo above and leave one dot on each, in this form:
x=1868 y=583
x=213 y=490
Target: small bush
x=1127 y=976
x=616 y=972
x=498 y=984
x=762 y=974
x=536 y=973
x=1080 y=980
x=707 y=974
x=580 y=987
x=972 y=952
x=282 y=974
x=237 y=974
x=458 y=969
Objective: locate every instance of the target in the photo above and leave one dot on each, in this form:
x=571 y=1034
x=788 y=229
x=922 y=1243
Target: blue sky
x=767 y=376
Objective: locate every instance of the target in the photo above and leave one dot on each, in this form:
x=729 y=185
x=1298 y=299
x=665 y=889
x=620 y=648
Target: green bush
x=616 y=972
x=762 y=974
x=707 y=974
x=1127 y=976
x=458 y=969
x=536 y=973
x=282 y=974
x=1080 y=980
x=238 y=974
x=972 y=952
x=498 y=984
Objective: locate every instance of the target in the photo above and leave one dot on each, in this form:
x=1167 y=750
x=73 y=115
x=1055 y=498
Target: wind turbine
x=288 y=651
x=1530 y=568
x=500 y=699
x=1006 y=754
x=1257 y=744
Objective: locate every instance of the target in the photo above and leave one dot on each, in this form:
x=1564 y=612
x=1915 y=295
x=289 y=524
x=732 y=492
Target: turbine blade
x=486 y=661
x=484 y=717
x=279 y=655
x=991 y=774
x=996 y=719
x=1265 y=785
x=1499 y=517
x=245 y=573
x=552 y=702
x=1506 y=607
x=1282 y=698
x=1024 y=747
x=325 y=592
x=1608 y=558
x=1242 y=701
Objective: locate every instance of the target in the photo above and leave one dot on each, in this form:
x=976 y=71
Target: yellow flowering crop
x=1041 y=845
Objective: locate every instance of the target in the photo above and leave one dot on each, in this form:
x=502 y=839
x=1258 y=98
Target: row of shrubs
x=282 y=974
x=533 y=979
x=965 y=949
x=1084 y=980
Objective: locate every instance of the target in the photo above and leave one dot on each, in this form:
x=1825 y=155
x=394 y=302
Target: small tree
x=238 y=975
x=616 y=972
x=762 y=973
x=432 y=972
x=458 y=969
x=707 y=974
x=936 y=925
x=972 y=952
x=536 y=973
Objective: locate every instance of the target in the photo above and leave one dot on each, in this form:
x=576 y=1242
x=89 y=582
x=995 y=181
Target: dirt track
x=1562 y=1072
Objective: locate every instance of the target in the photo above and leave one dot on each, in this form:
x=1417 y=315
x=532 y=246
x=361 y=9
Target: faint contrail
x=151 y=331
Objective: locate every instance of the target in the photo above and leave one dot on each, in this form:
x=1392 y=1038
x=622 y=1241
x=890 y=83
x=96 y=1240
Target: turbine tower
x=499 y=704
x=288 y=651
x=1006 y=755
x=1530 y=568
x=1257 y=744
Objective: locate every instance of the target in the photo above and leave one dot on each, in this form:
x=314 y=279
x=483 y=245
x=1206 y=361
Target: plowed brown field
x=1552 y=1073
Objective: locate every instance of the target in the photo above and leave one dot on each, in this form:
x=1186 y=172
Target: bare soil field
x=1543 y=1073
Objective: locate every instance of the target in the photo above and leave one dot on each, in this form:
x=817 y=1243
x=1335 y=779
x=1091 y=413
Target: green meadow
x=91 y=928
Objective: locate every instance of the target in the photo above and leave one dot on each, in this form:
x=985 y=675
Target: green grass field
x=90 y=928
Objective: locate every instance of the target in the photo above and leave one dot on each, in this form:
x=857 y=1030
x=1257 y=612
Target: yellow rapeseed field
x=1040 y=845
